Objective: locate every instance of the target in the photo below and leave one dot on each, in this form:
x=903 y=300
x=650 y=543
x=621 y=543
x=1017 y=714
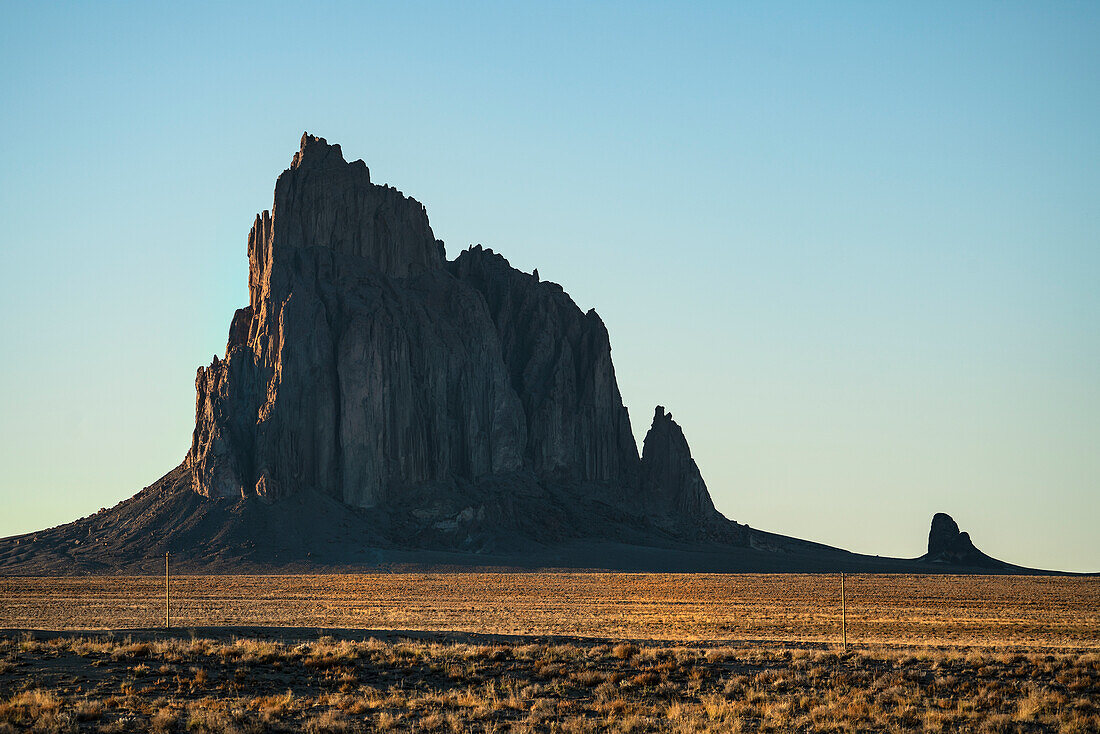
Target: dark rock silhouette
x=675 y=485
x=369 y=369
x=946 y=544
x=364 y=365
x=378 y=404
x=558 y=361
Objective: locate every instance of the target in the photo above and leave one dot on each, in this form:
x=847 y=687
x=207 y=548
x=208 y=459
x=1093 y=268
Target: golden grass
x=639 y=652
x=412 y=685
x=968 y=610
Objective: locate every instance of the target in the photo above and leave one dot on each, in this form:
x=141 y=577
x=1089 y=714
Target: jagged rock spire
x=671 y=475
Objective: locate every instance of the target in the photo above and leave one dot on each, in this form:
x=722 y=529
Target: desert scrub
x=331 y=684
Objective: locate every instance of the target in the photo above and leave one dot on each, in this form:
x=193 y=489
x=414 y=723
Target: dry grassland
x=329 y=685
x=642 y=653
x=1025 y=611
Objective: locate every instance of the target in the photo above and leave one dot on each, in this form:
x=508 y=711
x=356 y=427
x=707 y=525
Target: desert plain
x=550 y=652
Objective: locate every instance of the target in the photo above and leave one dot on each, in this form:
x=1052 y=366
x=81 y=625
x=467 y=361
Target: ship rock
x=369 y=368
x=379 y=405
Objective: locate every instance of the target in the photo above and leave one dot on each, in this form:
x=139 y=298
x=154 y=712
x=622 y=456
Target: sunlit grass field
x=910 y=610
x=550 y=652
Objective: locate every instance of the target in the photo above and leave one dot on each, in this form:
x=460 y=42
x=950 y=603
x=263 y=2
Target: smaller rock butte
x=946 y=544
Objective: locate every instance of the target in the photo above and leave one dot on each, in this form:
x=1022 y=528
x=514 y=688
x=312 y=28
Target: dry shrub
x=587 y=678
x=131 y=651
x=715 y=656
x=164 y=720
x=88 y=710
x=548 y=671
x=624 y=650
x=274 y=707
x=201 y=677
x=29 y=707
x=327 y=722
x=387 y=721
x=209 y=715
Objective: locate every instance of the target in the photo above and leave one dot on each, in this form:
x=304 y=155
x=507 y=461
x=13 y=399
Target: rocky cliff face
x=360 y=364
x=368 y=368
x=558 y=360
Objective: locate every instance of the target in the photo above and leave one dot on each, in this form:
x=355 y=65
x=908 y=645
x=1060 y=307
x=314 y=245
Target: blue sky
x=853 y=247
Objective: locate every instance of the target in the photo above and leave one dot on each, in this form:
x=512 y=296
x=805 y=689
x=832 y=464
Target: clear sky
x=853 y=247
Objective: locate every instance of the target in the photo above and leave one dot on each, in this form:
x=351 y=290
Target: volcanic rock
x=369 y=369
x=364 y=365
x=380 y=406
x=558 y=360
x=946 y=544
x=672 y=478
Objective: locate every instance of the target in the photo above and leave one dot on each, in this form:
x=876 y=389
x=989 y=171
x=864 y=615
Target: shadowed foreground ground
x=596 y=652
x=324 y=683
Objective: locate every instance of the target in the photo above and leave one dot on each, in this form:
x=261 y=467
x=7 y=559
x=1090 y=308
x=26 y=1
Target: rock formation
x=946 y=544
x=379 y=405
x=370 y=369
x=558 y=360
x=672 y=478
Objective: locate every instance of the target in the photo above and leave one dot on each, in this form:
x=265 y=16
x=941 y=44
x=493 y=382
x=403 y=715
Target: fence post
x=167 y=594
x=843 y=613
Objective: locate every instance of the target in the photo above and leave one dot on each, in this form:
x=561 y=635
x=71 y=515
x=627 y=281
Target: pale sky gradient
x=853 y=247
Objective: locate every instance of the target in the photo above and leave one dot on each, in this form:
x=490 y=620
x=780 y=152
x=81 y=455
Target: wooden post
x=843 y=613
x=167 y=596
